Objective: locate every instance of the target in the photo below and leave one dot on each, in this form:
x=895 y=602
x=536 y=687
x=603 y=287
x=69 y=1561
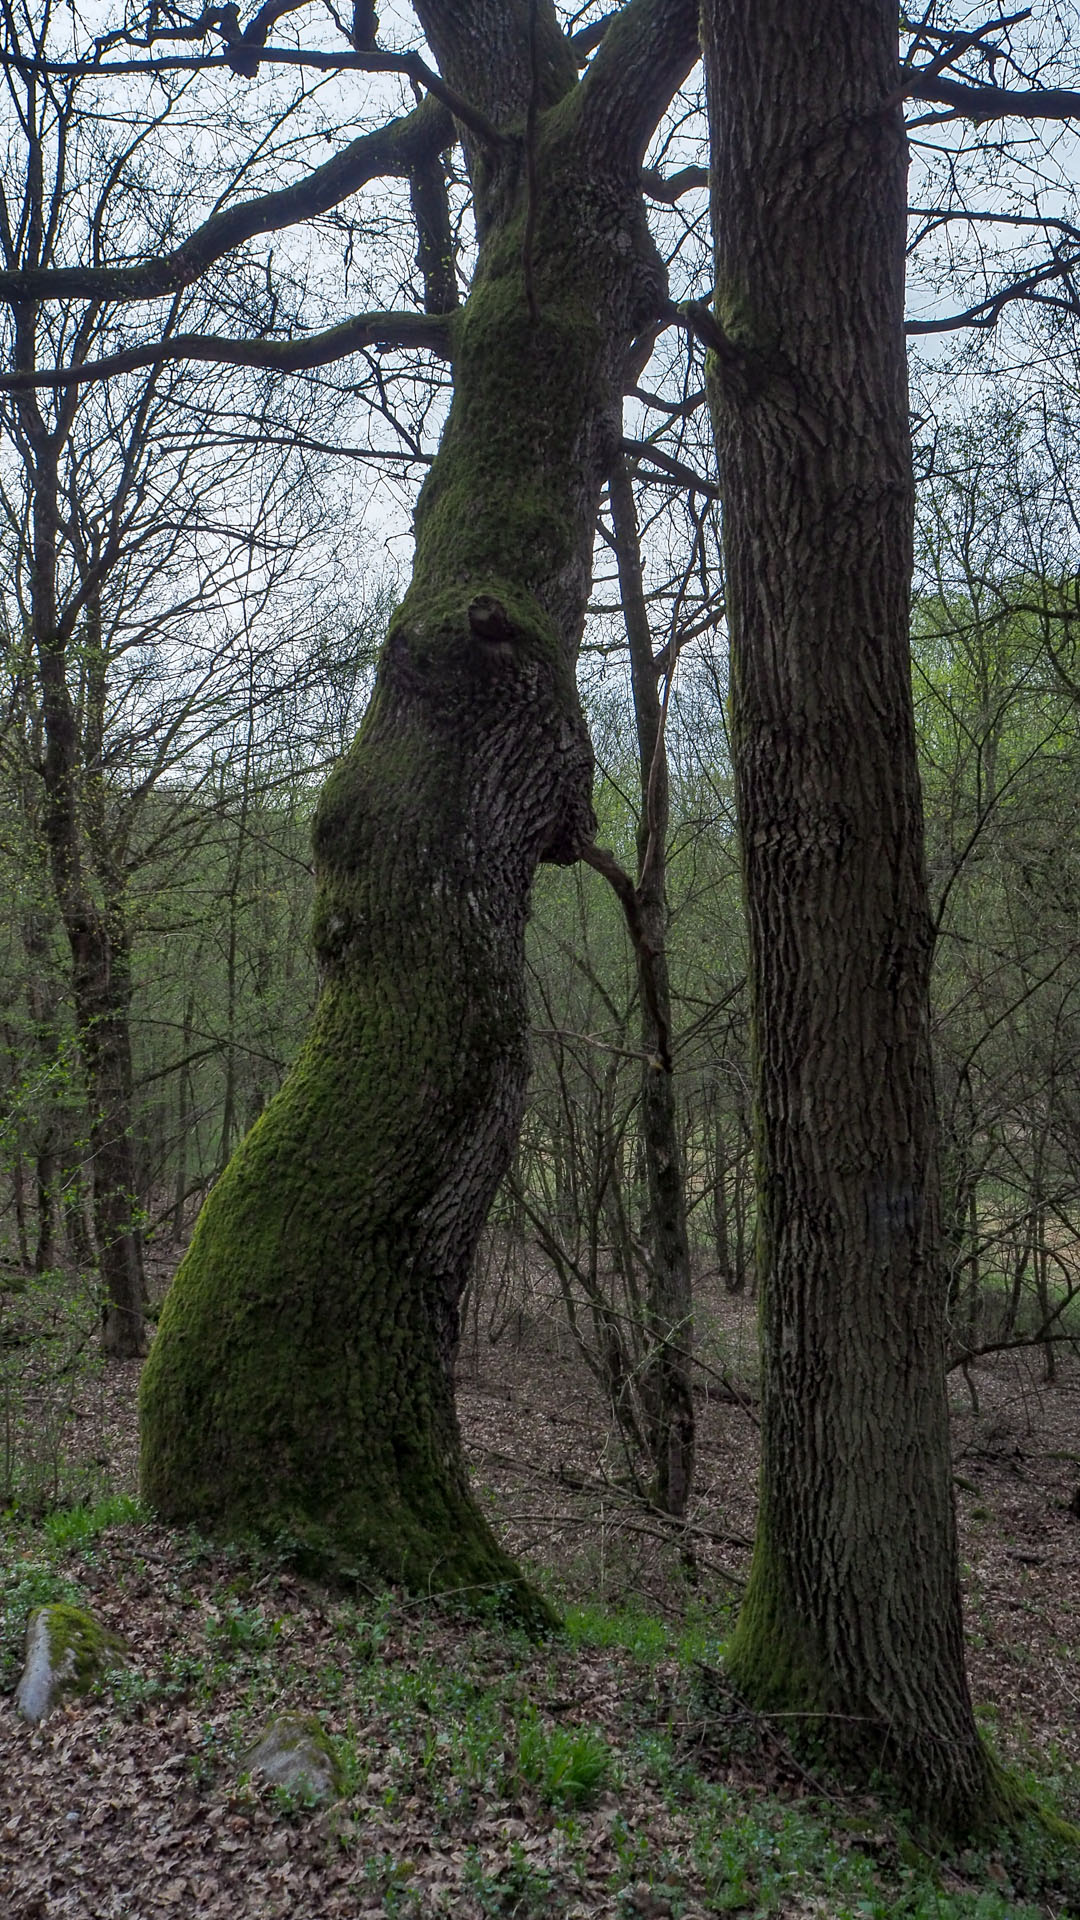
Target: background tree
x=997 y=721
x=133 y=558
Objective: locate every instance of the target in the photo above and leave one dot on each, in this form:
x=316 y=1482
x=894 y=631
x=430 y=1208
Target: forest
x=540 y=960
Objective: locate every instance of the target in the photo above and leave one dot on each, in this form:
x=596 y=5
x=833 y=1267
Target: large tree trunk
x=301 y=1377
x=853 y=1608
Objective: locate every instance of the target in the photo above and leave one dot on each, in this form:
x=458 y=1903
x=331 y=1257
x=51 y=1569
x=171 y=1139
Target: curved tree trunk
x=853 y=1607
x=301 y=1377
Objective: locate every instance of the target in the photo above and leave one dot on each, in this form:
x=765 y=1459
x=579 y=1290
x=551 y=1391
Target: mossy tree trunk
x=853 y=1607
x=301 y=1379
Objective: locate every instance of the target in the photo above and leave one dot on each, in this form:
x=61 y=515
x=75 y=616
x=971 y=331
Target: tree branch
x=985 y=313
x=675 y=470
x=434 y=235
x=640 y=64
x=602 y=860
x=976 y=103
x=281 y=356
x=411 y=65
x=484 y=48
x=671 y=189
x=391 y=151
x=700 y=322
x=587 y=39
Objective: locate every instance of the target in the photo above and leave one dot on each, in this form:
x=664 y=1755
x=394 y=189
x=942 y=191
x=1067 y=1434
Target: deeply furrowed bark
x=300 y=1380
x=853 y=1609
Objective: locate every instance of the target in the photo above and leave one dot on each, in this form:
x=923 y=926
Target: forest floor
x=603 y=1773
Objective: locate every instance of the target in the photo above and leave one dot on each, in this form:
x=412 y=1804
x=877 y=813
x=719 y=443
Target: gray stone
x=66 y=1650
x=294 y=1752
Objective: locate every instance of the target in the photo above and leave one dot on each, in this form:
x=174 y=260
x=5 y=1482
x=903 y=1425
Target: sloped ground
x=599 y=1775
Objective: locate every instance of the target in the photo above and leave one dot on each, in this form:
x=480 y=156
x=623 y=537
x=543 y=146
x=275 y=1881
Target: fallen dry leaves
x=128 y=1806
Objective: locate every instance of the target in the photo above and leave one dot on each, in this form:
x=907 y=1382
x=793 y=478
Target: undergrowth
x=593 y=1757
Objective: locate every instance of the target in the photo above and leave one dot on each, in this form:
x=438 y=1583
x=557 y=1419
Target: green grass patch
x=567 y=1765
x=75 y=1526
x=639 y=1634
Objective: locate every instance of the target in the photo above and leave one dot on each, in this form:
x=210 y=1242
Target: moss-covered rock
x=294 y=1752
x=66 y=1651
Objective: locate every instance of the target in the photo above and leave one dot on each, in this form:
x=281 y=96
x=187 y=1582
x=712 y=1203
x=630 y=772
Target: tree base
x=949 y=1794
x=482 y=1580
x=299 y=1387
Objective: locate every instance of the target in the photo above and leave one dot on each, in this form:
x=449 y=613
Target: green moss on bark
x=773 y=1664
x=300 y=1381
x=292 y=1387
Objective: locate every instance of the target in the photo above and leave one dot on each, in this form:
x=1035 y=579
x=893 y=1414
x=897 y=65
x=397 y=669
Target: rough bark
x=853 y=1609
x=301 y=1377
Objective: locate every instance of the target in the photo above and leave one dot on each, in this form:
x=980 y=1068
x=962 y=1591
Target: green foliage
x=452 y=1721
x=39 y=1089
x=753 y=1854
x=517 y=1887
x=641 y=1635
x=50 y=1363
x=567 y=1765
x=76 y=1526
x=247 y=1629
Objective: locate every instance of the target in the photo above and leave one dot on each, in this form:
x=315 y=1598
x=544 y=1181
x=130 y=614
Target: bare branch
x=671 y=189
x=672 y=469
x=954 y=45
x=392 y=151
x=280 y=356
x=985 y=313
x=642 y=61
x=602 y=860
x=969 y=102
x=587 y=39
x=411 y=65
